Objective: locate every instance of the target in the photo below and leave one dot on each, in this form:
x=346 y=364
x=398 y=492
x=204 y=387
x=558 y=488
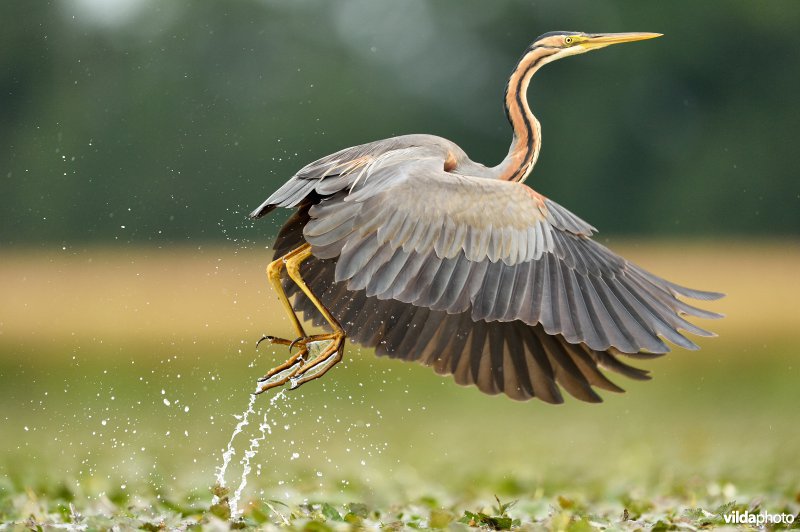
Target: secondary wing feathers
x=519 y=256
x=498 y=357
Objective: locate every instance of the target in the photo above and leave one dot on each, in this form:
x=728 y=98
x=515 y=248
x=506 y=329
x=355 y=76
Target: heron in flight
x=408 y=246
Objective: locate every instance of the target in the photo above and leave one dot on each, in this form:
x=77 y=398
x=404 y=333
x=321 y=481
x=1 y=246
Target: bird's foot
x=299 y=369
x=279 y=375
x=330 y=352
x=275 y=341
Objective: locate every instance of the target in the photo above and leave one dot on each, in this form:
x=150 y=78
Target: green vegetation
x=126 y=425
x=535 y=513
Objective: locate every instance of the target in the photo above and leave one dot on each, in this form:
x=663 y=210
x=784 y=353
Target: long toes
x=269 y=386
x=298 y=369
x=272 y=373
x=280 y=375
x=330 y=355
x=312 y=373
x=272 y=340
x=303 y=341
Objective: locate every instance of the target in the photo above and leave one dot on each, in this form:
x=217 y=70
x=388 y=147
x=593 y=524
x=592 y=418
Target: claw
x=265 y=337
x=295 y=341
x=305 y=340
x=272 y=340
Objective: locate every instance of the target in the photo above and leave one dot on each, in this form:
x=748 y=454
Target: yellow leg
x=332 y=353
x=293 y=262
x=274 y=275
x=279 y=375
x=296 y=368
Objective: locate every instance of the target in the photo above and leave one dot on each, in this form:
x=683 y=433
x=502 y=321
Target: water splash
x=230 y=450
x=264 y=429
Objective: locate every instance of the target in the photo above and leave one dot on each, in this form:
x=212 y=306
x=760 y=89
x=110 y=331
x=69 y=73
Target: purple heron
x=408 y=246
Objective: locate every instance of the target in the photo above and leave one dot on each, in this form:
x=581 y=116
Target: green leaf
x=499 y=522
x=469 y=518
x=222 y=509
x=429 y=501
x=726 y=508
x=501 y=508
x=565 y=502
x=496 y=523
x=316 y=526
x=330 y=512
x=259 y=516
x=440 y=518
x=352 y=518
x=358 y=509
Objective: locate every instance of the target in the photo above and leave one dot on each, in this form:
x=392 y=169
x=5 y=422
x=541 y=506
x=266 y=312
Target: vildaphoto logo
x=750 y=518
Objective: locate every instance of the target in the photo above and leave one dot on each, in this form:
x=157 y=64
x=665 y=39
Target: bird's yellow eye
x=568 y=40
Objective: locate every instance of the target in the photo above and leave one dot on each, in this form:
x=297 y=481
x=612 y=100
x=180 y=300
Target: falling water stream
x=263 y=430
x=230 y=451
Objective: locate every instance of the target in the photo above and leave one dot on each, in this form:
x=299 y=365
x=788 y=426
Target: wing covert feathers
x=468 y=319
x=480 y=278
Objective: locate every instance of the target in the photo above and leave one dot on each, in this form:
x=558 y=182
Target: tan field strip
x=145 y=294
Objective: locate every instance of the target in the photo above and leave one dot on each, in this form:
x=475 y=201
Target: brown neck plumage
x=527 y=132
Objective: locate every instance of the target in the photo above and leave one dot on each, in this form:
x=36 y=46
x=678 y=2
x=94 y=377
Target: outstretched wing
x=402 y=228
x=513 y=358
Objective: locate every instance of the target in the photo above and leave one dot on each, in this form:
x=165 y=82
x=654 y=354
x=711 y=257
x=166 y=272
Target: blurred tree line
x=160 y=122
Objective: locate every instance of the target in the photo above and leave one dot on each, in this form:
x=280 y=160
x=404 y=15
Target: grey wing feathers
x=497 y=249
x=480 y=266
x=334 y=172
x=497 y=357
x=617 y=308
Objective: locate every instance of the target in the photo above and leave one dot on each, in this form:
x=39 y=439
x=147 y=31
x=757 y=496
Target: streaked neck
x=527 y=138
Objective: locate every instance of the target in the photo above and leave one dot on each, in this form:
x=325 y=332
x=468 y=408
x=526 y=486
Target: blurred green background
x=175 y=119
x=135 y=135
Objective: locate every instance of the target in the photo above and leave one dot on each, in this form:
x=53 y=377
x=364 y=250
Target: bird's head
x=566 y=43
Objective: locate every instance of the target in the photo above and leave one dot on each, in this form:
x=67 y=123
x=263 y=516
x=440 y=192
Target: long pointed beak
x=600 y=40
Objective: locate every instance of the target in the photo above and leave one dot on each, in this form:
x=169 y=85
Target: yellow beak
x=600 y=40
